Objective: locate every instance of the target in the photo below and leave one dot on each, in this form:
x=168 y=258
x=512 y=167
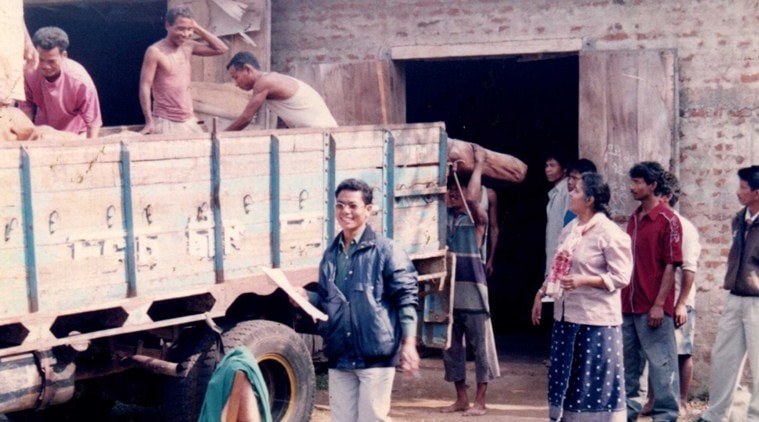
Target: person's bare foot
x=476 y=410
x=455 y=407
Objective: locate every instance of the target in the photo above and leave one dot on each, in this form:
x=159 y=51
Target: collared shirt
x=691 y=253
x=750 y=218
x=343 y=261
x=558 y=198
x=70 y=103
x=603 y=250
x=343 y=271
x=657 y=240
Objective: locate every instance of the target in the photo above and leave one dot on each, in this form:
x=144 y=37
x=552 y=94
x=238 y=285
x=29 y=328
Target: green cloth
x=239 y=359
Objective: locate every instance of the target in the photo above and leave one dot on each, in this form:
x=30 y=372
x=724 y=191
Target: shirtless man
x=295 y=102
x=166 y=73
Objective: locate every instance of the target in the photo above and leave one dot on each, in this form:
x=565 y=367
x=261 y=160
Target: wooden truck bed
x=122 y=234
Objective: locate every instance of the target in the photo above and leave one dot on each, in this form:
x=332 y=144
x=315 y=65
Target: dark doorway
x=522 y=106
x=109 y=39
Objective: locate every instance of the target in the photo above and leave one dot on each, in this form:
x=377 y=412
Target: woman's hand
x=537 y=307
x=571 y=281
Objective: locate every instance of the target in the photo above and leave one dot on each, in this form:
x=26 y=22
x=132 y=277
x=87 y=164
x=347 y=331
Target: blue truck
x=130 y=264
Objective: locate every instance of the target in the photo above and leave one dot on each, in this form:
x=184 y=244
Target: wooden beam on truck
x=278 y=276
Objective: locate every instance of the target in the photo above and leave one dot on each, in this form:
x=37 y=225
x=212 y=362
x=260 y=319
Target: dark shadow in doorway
x=520 y=106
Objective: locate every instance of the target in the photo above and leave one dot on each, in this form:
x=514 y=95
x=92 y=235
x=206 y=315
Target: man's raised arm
x=213 y=45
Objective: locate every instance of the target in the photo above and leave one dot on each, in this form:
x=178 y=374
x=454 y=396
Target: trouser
x=472 y=328
x=360 y=394
x=658 y=348
x=166 y=126
x=737 y=336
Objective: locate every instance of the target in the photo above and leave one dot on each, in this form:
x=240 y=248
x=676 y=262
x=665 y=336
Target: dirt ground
x=518 y=395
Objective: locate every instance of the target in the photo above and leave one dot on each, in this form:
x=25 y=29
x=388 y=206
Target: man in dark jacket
x=738 y=332
x=368 y=288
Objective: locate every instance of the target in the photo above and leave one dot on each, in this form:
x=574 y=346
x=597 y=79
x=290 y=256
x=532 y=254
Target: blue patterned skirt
x=586 y=380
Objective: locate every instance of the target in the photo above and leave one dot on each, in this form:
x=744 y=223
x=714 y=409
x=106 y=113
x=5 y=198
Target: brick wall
x=718 y=80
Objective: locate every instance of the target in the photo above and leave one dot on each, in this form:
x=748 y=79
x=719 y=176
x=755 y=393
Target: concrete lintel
x=505 y=48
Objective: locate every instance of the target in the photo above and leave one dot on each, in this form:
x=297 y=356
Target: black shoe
x=702 y=420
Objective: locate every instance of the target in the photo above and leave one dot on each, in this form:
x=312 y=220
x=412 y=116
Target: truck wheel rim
x=281 y=395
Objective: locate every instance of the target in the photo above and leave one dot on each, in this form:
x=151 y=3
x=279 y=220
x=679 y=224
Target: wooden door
x=628 y=114
x=359 y=93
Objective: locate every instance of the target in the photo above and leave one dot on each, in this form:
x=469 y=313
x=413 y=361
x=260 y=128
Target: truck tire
x=197 y=352
x=285 y=364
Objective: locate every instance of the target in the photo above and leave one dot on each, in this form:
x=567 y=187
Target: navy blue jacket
x=364 y=330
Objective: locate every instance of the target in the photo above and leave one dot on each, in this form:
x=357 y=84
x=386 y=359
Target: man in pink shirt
x=166 y=74
x=59 y=92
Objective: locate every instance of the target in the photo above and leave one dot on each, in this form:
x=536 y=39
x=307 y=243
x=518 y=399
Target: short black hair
x=560 y=158
x=242 y=58
x=668 y=185
x=750 y=175
x=649 y=171
x=50 y=37
x=178 y=11
x=583 y=165
x=356 y=185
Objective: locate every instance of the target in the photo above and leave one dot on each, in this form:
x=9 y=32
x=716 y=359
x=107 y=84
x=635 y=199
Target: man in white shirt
x=558 y=198
x=668 y=189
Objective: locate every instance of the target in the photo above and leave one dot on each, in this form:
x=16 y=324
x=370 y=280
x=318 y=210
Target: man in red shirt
x=648 y=327
x=59 y=92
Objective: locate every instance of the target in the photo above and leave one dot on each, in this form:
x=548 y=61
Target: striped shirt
x=471 y=294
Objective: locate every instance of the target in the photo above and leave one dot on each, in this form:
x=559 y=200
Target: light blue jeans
x=657 y=347
x=360 y=394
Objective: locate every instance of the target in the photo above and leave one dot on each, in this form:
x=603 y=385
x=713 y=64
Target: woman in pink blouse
x=592 y=264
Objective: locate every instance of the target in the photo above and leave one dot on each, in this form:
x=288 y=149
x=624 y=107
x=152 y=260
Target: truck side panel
x=125 y=231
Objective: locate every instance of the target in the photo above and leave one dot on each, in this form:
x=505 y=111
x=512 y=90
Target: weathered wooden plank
x=67 y=297
x=301 y=194
x=243 y=143
x=415 y=178
x=174 y=211
x=416 y=227
x=76 y=176
x=301 y=163
x=414 y=155
x=349 y=159
x=77 y=214
x=10 y=158
x=416 y=135
x=289 y=142
x=172 y=171
x=245 y=200
x=627 y=114
x=358 y=92
x=502 y=48
x=179 y=282
x=42 y=153
x=358 y=139
x=244 y=166
x=171 y=147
